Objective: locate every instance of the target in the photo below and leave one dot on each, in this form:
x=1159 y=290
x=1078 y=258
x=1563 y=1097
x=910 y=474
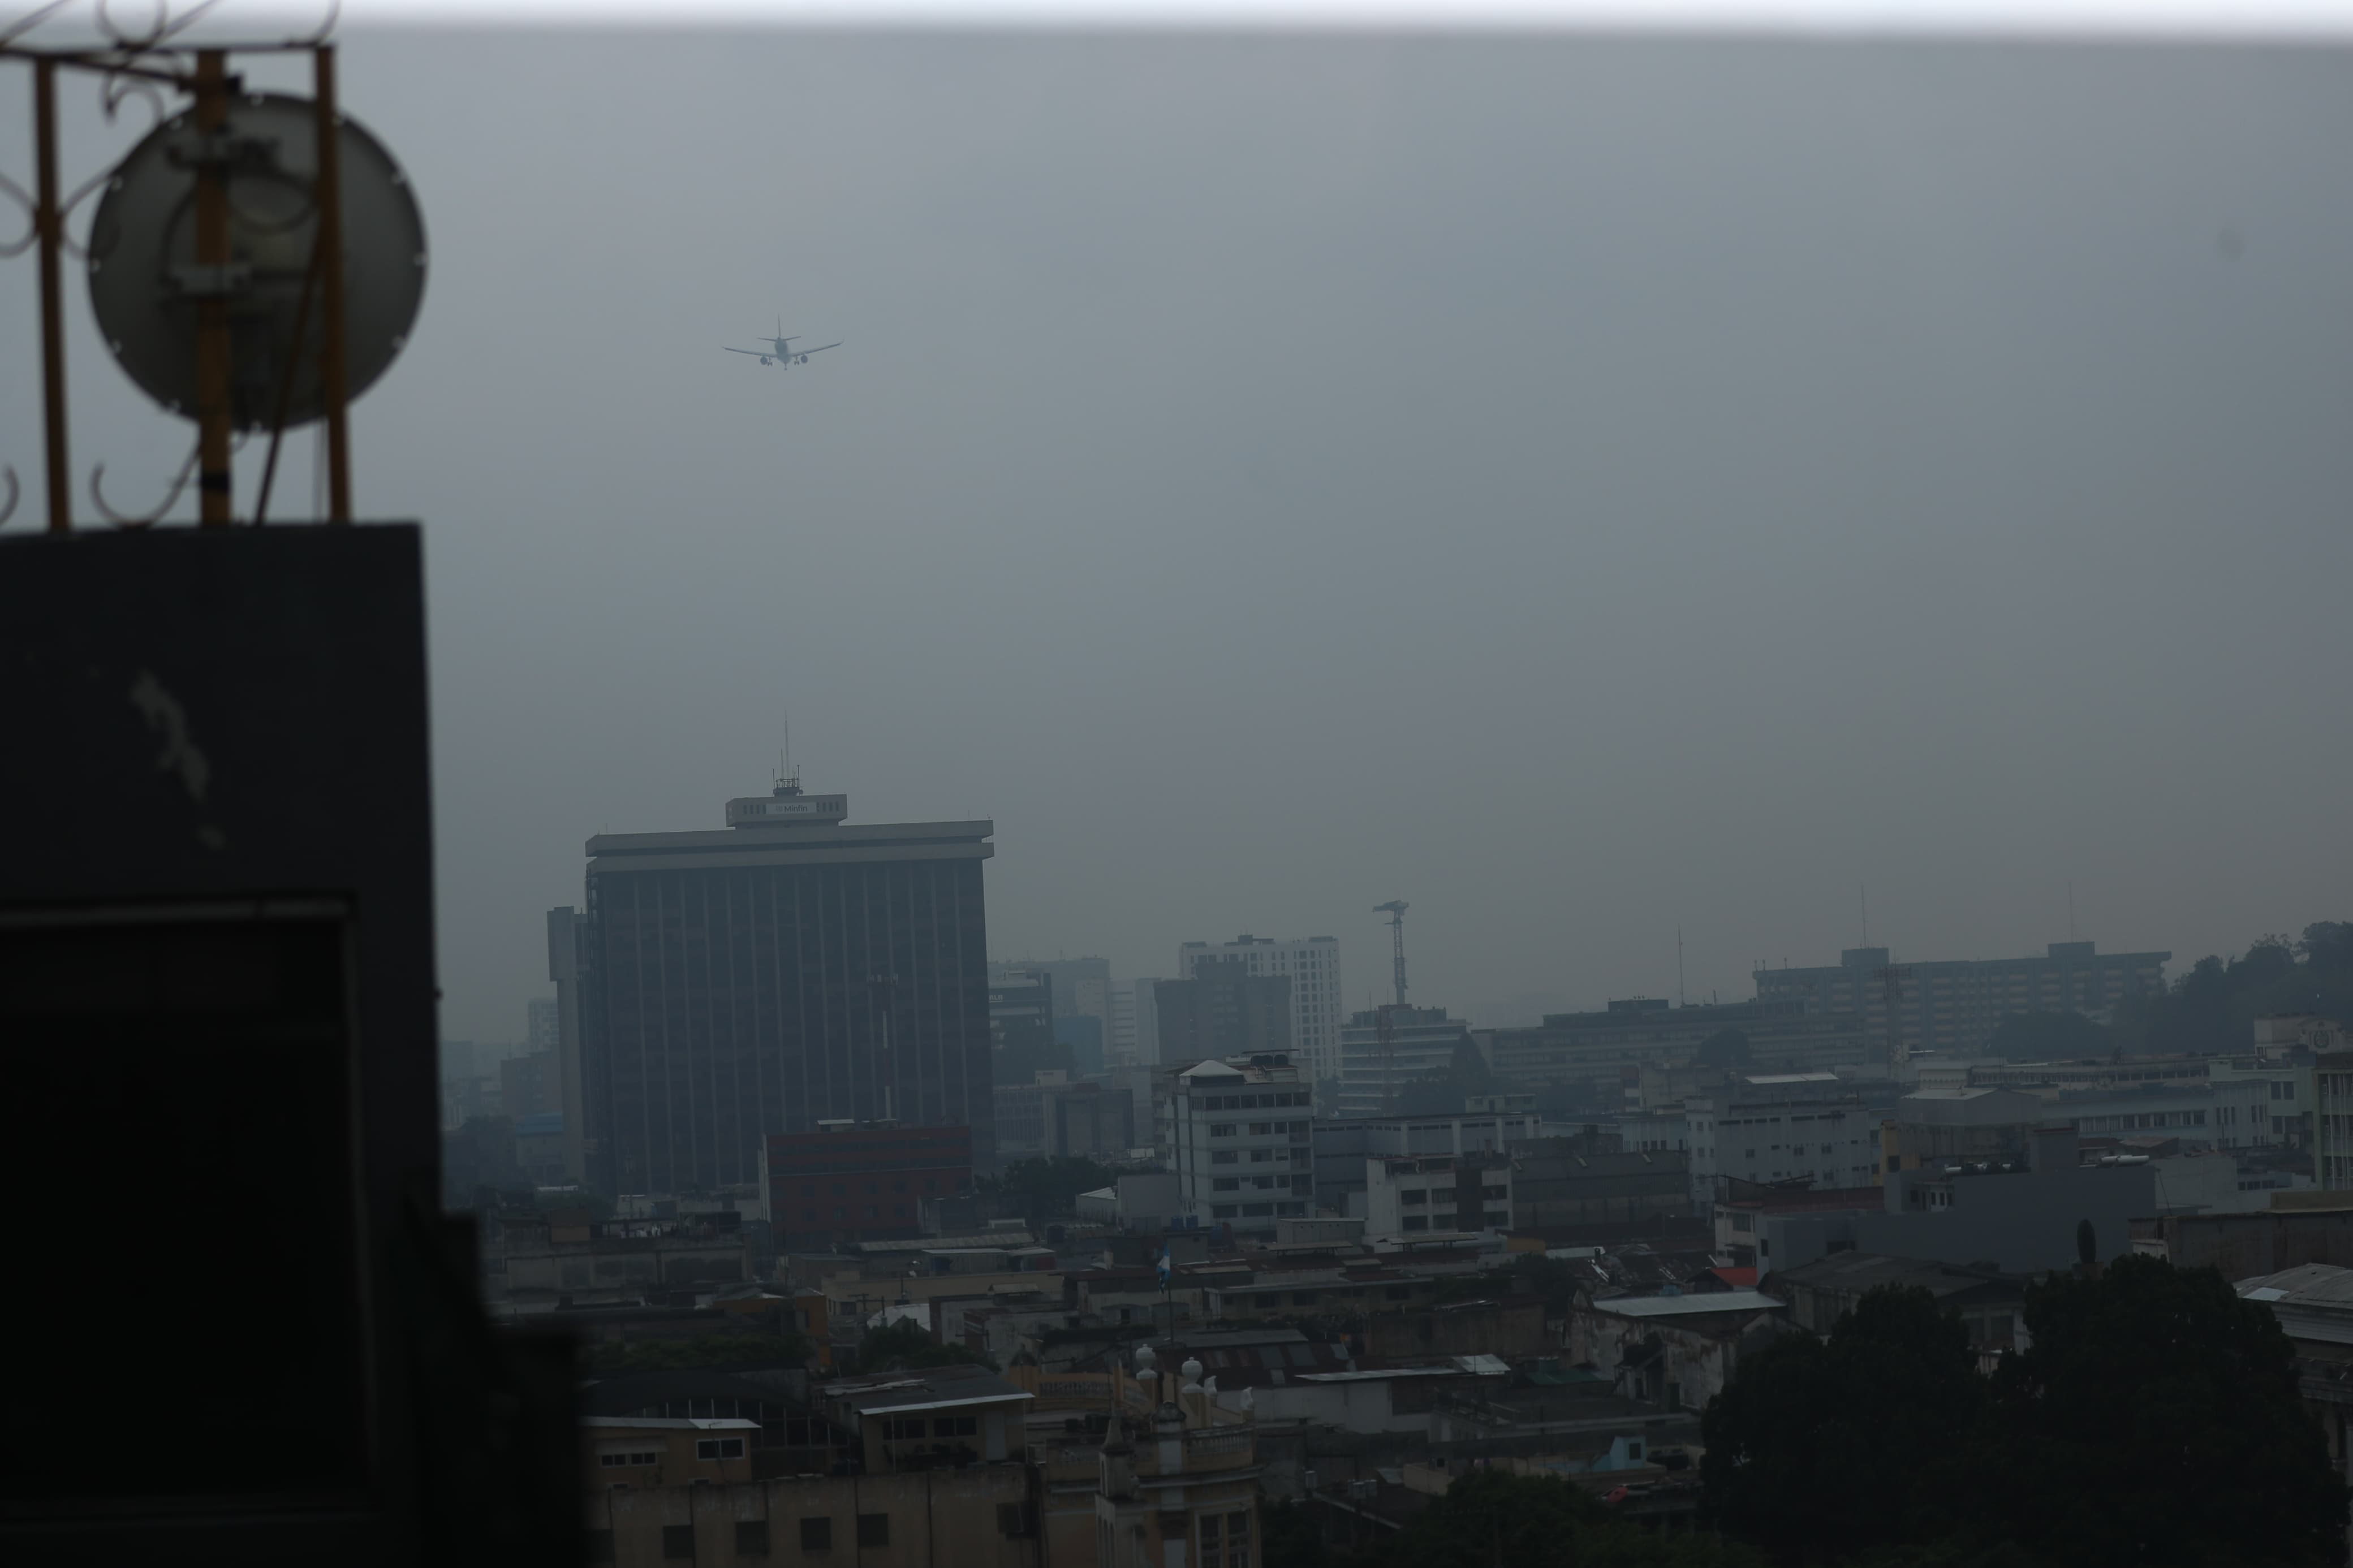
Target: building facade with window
x=1597 y=1059
x=1799 y=1128
x=2332 y=1095
x=1954 y=1004
x=1312 y=964
x=1376 y=1062
x=1436 y=1193
x=1240 y=1138
x=786 y=971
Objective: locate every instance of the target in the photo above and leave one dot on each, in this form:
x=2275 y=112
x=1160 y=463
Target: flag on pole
x=1163 y=1266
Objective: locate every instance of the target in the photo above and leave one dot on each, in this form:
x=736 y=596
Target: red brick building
x=860 y=1181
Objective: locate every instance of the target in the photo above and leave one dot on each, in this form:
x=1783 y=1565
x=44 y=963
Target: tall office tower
x=787 y=971
x=1313 y=966
x=1222 y=1010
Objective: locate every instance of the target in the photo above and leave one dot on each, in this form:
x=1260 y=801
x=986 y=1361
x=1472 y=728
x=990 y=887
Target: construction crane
x=1385 y=1014
x=1394 y=910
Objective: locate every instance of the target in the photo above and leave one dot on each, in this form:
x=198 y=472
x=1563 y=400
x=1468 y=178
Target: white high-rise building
x=1134 y=1024
x=1313 y=964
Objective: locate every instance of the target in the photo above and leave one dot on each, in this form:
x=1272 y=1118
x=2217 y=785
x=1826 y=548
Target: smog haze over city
x=1588 y=487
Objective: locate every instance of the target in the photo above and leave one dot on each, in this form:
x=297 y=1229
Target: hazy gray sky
x=1574 y=486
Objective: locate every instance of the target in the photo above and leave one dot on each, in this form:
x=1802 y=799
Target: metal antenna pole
x=213 y=411
x=329 y=191
x=50 y=226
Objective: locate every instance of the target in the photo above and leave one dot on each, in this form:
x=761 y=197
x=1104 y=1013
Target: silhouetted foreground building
x=782 y=973
x=221 y=931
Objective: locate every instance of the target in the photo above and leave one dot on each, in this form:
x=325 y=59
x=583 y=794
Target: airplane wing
x=819 y=350
x=756 y=354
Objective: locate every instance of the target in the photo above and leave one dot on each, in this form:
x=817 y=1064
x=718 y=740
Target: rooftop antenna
x=1681 y=1000
x=1395 y=909
x=788 y=777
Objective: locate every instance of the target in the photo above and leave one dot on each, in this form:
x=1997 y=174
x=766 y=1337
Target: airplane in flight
x=781 y=348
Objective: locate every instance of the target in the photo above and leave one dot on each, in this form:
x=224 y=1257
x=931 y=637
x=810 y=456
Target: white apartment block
x=1313 y=964
x=1240 y=1138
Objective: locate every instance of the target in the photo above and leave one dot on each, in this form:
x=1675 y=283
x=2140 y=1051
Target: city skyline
x=1690 y=516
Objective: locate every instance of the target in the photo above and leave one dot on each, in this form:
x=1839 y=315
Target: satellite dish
x=145 y=283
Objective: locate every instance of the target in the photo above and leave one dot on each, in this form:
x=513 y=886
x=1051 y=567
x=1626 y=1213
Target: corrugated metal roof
x=1697 y=1305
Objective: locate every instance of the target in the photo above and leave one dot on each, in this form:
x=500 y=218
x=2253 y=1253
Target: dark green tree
x=2209 y=1008
x=2048 y=1037
x=900 y=1345
x=1490 y=1519
x=2155 y=1420
x=1877 y=1417
x=1052 y=1185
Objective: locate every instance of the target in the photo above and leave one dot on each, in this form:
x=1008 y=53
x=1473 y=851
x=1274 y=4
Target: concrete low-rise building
x=1564 y=1183
x=1436 y=1194
x=1343 y=1145
x=1990 y=1305
x=2299 y=1229
x=1812 y=1128
x=2313 y=1304
x=1239 y=1145
x=1386 y=1399
x=1675 y=1351
x=2015 y=1218
x=981 y=1516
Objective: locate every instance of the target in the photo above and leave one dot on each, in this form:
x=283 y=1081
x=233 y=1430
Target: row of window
x=904 y=1426
x=1445 y=1220
x=640 y=1458
x=1446 y=1195
x=1257 y=1129
x=1251 y=1102
x=898 y=1184
x=1254 y=1211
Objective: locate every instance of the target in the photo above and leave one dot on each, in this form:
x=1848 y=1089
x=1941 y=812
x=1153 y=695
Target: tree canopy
x=1052 y=1183
x=2209 y=1008
x=897 y=1346
x=2153 y=1421
x=1862 y=1417
x=1492 y=1518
